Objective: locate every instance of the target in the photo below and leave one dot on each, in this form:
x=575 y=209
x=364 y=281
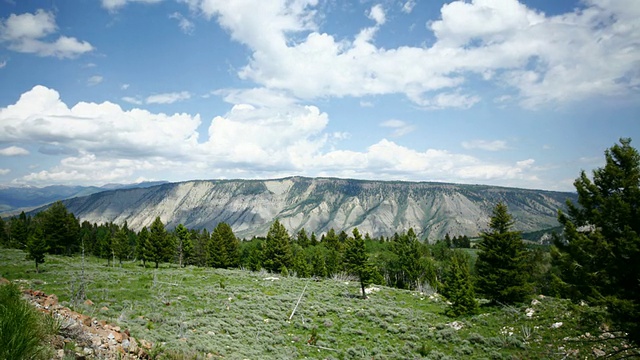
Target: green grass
x=188 y=313
x=23 y=330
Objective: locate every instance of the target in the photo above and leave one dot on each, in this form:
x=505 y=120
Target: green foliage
x=23 y=330
x=184 y=246
x=277 y=248
x=61 y=229
x=159 y=246
x=120 y=245
x=143 y=242
x=37 y=247
x=597 y=259
x=224 y=247
x=459 y=286
x=4 y=235
x=501 y=264
x=357 y=260
x=19 y=230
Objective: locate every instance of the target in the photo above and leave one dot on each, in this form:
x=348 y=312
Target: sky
x=499 y=92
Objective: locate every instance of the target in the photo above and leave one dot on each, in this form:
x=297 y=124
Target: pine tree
x=183 y=244
x=459 y=286
x=121 y=247
x=224 y=247
x=143 y=242
x=501 y=263
x=201 y=247
x=157 y=248
x=19 y=230
x=357 y=260
x=61 y=229
x=37 y=247
x=4 y=235
x=277 y=248
x=597 y=258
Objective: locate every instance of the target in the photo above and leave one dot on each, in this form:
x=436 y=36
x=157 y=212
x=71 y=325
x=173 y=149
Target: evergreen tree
x=333 y=260
x=183 y=244
x=459 y=287
x=302 y=238
x=37 y=247
x=277 y=248
x=224 y=247
x=501 y=263
x=201 y=247
x=61 y=229
x=19 y=230
x=597 y=258
x=407 y=268
x=357 y=260
x=158 y=247
x=4 y=234
x=316 y=256
x=143 y=242
x=120 y=245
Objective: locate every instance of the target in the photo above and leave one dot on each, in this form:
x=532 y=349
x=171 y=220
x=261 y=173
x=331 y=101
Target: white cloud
x=124 y=86
x=4 y=171
x=257 y=96
x=3 y=64
x=26 y=33
x=588 y=52
x=408 y=6
x=168 y=98
x=94 y=80
x=132 y=100
x=103 y=143
x=495 y=145
x=185 y=24
x=114 y=5
x=377 y=14
x=400 y=127
x=13 y=151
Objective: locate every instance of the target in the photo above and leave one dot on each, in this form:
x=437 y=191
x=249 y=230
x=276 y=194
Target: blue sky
x=498 y=92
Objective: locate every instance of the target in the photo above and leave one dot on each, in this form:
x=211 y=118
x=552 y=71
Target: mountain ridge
x=317 y=204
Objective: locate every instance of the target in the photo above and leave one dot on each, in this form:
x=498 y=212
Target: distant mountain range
x=318 y=204
x=27 y=197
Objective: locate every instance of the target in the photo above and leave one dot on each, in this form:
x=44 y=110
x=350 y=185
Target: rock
x=529 y=312
x=117 y=336
x=556 y=325
x=96 y=341
x=133 y=346
x=4 y=281
x=88 y=302
x=51 y=300
x=535 y=302
x=104 y=308
x=598 y=353
x=125 y=344
x=145 y=344
x=60 y=353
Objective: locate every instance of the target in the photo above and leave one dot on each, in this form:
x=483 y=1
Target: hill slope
x=318 y=204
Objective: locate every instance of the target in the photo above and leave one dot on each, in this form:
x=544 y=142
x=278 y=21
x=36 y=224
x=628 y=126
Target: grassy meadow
x=234 y=314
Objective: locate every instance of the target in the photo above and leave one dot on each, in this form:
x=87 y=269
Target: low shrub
x=23 y=330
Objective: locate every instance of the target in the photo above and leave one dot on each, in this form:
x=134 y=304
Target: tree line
x=594 y=259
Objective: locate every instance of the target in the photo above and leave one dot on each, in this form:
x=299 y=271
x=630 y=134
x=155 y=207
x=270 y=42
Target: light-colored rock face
x=374 y=207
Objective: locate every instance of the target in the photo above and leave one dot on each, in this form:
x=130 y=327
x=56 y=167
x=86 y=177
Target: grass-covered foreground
x=233 y=314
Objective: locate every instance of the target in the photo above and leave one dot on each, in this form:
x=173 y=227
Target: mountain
x=14 y=199
x=318 y=204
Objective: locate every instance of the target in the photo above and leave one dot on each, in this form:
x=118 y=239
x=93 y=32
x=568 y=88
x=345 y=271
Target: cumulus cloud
x=377 y=14
x=588 y=52
x=101 y=143
x=168 y=98
x=13 y=151
x=4 y=171
x=30 y=33
x=494 y=145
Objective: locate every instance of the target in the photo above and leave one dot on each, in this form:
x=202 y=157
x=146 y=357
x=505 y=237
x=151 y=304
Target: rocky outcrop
x=318 y=204
x=92 y=338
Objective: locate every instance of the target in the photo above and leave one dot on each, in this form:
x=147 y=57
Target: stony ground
x=85 y=337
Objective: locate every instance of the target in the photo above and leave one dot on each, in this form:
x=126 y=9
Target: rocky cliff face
x=374 y=207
